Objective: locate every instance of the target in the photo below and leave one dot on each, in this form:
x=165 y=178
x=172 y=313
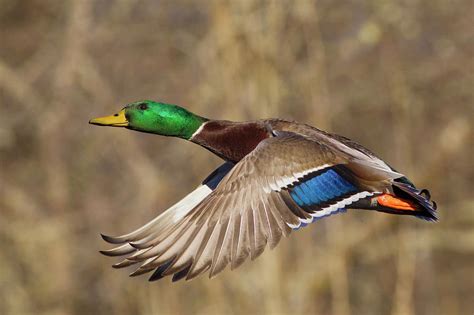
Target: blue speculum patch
x=322 y=188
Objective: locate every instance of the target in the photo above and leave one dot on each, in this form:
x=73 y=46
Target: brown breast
x=231 y=140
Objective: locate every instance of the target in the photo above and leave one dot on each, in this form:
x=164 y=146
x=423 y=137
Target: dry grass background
x=397 y=76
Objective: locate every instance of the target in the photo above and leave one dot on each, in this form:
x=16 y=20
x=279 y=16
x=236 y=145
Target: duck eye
x=143 y=106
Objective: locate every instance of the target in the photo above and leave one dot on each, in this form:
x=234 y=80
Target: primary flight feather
x=278 y=176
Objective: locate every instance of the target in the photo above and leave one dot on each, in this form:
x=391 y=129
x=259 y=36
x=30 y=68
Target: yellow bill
x=117 y=120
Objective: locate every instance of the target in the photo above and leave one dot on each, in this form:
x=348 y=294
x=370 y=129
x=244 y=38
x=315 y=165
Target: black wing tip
x=159 y=272
x=181 y=274
x=155 y=277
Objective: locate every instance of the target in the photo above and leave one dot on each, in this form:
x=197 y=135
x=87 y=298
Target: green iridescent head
x=153 y=117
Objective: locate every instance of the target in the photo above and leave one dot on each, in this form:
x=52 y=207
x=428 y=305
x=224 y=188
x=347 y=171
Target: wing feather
x=249 y=208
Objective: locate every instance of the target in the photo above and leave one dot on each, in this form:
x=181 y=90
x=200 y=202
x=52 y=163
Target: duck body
x=232 y=141
x=277 y=176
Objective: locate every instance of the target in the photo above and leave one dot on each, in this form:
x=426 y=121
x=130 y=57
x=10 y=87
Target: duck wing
x=285 y=182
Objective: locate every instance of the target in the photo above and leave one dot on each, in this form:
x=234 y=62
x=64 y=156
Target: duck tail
x=419 y=200
x=406 y=199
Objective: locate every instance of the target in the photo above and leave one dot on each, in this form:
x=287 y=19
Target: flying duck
x=277 y=176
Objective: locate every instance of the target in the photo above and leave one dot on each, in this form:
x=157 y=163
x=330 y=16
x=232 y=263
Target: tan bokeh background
x=397 y=76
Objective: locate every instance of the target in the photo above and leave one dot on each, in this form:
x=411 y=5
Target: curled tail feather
x=425 y=207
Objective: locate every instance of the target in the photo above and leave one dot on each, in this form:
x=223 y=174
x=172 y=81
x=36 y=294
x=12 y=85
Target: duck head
x=154 y=117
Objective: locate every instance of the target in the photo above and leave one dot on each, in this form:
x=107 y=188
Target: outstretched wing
x=286 y=181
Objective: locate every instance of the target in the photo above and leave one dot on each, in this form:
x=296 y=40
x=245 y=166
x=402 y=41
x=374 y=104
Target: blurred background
x=396 y=76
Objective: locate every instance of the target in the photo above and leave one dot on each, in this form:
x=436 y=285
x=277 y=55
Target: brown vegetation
x=397 y=76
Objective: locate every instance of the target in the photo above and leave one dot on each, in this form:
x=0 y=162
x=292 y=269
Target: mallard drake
x=277 y=176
